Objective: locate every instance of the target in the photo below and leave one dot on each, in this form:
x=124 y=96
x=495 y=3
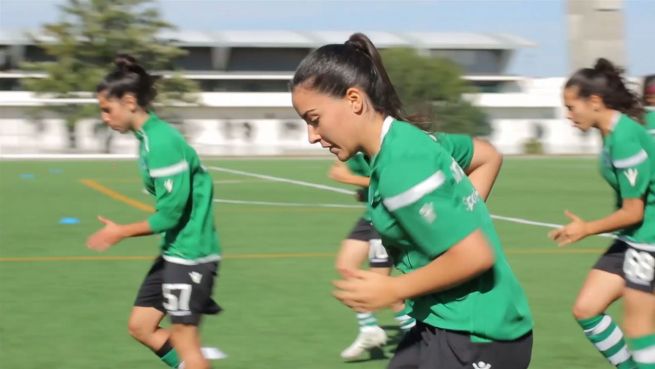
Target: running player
x=471 y=311
x=479 y=159
x=181 y=280
x=598 y=98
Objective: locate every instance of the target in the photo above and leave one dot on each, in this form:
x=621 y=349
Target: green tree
x=83 y=45
x=433 y=88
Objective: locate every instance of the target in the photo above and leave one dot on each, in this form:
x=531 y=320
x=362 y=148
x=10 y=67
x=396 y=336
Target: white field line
x=350 y=192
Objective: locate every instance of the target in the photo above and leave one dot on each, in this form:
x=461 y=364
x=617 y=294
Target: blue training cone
x=69 y=220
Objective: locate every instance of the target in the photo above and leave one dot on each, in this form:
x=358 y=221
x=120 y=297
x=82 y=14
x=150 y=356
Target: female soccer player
x=598 y=98
x=181 y=280
x=478 y=158
x=471 y=311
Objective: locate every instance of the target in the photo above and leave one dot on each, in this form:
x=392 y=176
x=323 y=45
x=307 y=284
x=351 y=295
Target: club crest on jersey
x=428 y=213
x=168 y=185
x=632 y=175
x=481 y=365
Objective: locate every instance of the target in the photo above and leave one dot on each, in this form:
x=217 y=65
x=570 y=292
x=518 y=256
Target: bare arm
x=630 y=213
x=340 y=173
x=485 y=166
x=113 y=233
x=368 y=291
x=469 y=258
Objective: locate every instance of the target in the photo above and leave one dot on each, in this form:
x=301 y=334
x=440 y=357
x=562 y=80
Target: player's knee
x=138 y=330
x=584 y=310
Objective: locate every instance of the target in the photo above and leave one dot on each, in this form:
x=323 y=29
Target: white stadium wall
x=265 y=124
x=207 y=136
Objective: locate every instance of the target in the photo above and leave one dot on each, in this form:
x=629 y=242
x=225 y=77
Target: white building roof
x=312 y=39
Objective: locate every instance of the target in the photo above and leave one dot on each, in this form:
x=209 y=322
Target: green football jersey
x=459 y=146
x=628 y=165
x=172 y=172
x=423 y=204
x=358 y=165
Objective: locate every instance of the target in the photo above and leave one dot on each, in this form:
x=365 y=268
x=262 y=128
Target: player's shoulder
x=407 y=144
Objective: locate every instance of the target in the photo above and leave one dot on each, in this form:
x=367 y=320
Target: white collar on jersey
x=615 y=120
x=385 y=127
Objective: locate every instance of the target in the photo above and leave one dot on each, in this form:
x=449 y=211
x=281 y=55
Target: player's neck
x=371 y=135
x=140 y=119
x=607 y=120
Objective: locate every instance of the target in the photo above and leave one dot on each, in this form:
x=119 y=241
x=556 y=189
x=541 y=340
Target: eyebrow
x=304 y=115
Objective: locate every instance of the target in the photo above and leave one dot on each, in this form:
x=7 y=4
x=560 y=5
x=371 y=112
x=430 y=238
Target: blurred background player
x=364 y=242
x=181 y=280
x=649 y=104
x=598 y=98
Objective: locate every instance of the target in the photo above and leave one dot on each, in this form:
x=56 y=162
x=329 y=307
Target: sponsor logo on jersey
x=471 y=200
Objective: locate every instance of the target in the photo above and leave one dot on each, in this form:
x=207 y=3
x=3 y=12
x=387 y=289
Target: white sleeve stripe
x=170 y=170
x=415 y=193
x=635 y=159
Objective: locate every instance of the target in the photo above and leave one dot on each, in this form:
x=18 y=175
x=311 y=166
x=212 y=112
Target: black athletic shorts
x=179 y=290
x=377 y=254
x=612 y=260
x=427 y=347
x=363 y=231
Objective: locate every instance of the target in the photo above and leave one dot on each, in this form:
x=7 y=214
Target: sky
x=542 y=22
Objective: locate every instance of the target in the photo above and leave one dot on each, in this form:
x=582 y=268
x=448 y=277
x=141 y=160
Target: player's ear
x=356 y=99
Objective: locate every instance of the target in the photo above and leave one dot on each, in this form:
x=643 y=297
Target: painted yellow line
x=247 y=208
x=117 y=195
x=282 y=255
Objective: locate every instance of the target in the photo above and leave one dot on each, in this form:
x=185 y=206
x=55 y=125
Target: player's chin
x=114 y=128
x=341 y=154
x=578 y=127
x=584 y=127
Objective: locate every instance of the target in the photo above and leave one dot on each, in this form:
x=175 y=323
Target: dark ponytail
x=606 y=81
x=333 y=69
x=129 y=77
